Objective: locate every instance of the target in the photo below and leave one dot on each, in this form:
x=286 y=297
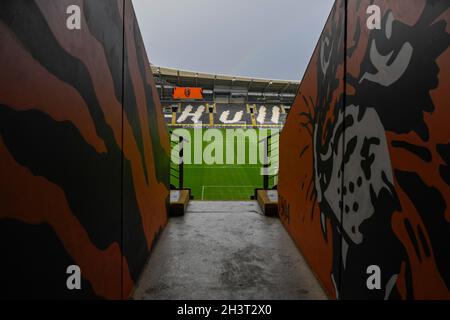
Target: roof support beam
x=250 y=85
x=285 y=88
x=267 y=87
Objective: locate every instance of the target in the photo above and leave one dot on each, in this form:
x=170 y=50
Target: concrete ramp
x=226 y=250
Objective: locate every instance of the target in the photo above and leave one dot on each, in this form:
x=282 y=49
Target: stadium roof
x=168 y=78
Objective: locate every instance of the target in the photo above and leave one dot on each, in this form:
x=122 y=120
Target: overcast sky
x=255 y=38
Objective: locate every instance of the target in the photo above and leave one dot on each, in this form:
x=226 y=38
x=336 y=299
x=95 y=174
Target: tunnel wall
x=84 y=153
x=364 y=168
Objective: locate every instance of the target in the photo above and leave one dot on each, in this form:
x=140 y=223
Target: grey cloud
x=258 y=38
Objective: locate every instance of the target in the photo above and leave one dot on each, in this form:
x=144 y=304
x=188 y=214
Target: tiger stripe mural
x=364 y=153
x=84 y=152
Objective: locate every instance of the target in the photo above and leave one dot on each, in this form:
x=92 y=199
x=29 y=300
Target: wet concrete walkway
x=226 y=250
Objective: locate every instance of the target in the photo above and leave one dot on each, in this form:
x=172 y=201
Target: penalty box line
x=203 y=188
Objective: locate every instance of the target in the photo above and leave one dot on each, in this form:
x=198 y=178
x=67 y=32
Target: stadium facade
x=195 y=99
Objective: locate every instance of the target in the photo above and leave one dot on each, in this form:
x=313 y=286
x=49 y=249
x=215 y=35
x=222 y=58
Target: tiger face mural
x=376 y=149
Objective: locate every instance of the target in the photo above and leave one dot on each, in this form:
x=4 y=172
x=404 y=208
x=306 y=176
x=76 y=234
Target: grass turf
x=221 y=181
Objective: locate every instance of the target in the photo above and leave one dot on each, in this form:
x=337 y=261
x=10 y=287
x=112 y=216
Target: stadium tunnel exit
x=92 y=205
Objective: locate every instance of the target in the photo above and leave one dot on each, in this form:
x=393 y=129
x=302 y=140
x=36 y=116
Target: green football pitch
x=231 y=176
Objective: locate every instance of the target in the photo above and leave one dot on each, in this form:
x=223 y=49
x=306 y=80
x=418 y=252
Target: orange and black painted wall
x=84 y=153
x=365 y=153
